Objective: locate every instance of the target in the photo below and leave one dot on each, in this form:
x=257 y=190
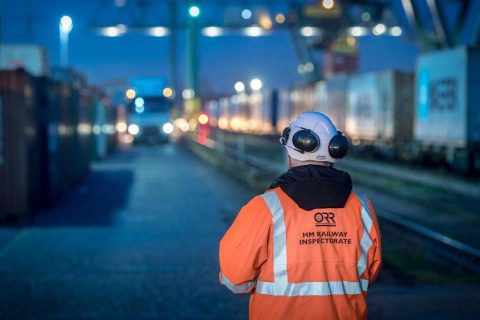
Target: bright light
x=188 y=94
x=140 y=109
x=256 y=84
x=301 y=68
x=379 y=29
x=133 y=129
x=328 y=4
x=357 y=31
x=239 y=86
x=66 y=24
x=246 y=14
x=202 y=118
x=212 y=31
x=114 y=31
x=396 y=31
x=309 y=31
x=167 y=128
x=167 y=92
x=280 y=18
x=130 y=93
x=121 y=127
x=265 y=22
x=309 y=67
x=253 y=31
x=158 y=31
x=194 y=11
x=182 y=124
x=139 y=102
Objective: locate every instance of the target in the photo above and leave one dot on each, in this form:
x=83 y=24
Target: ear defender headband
x=305 y=140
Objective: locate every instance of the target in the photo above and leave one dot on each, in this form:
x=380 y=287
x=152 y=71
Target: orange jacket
x=299 y=264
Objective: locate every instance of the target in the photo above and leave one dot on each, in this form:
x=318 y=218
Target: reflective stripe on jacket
x=300 y=264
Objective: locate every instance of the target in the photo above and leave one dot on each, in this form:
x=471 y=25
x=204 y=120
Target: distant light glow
x=265 y=22
x=396 y=31
x=253 y=31
x=202 y=118
x=309 y=31
x=358 y=31
x=309 y=67
x=256 y=84
x=379 y=29
x=66 y=24
x=188 y=94
x=246 y=14
x=328 y=4
x=158 y=31
x=301 y=68
x=212 y=31
x=168 y=92
x=366 y=16
x=121 y=127
x=194 y=11
x=239 y=86
x=139 y=102
x=182 y=124
x=113 y=31
x=167 y=128
x=140 y=109
x=130 y=93
x=120 y=3
x=133 y=129
x=280 y=18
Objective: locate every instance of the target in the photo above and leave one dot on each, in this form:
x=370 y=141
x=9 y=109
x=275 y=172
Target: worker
x=309 y=247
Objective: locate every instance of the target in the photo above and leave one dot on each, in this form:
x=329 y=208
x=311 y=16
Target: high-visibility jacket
x=302 y=264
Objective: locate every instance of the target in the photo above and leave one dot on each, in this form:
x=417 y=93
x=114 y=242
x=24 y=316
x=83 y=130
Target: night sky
x=224 y=60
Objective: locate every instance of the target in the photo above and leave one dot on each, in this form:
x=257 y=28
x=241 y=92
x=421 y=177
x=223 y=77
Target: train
x=430 y=116
x=51 y=128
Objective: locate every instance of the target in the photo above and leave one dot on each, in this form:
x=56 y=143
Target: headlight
x=167 y=128
x=133 y=129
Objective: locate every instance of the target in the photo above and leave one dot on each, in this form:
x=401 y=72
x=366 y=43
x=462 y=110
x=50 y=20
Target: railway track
x=437 y=245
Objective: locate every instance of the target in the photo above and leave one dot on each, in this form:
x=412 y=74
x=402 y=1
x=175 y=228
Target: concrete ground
x=139 y=240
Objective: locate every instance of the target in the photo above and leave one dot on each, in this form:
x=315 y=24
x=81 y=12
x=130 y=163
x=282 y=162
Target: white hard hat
x=312 y=136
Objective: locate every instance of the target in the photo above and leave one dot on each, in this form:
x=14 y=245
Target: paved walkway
x=139 y=239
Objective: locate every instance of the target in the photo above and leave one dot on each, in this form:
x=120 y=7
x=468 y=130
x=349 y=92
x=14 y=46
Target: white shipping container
x=364 y=116
x=441 y=98
x=32 y=58
x=331 y=99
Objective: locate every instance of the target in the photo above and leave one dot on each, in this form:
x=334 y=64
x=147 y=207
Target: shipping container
x=285 y=110
x=32 y=58
x=447 y=117
x=337 y=100
x=19 y=169
x=380 y=108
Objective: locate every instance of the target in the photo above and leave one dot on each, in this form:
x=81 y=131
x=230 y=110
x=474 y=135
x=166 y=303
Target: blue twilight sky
x=224 y=60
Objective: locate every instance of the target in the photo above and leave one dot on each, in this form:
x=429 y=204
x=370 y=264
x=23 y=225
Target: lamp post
x=65 y=26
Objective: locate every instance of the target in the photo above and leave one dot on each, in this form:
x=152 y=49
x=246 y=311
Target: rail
x=455 y=251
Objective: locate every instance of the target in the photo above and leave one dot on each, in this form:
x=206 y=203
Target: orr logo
x=324 y=219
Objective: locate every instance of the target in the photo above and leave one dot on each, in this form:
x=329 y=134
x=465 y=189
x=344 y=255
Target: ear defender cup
x=285 y=135
x=338 y=146
x=305 y=140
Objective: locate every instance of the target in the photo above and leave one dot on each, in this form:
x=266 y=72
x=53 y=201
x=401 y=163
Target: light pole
x=65 y=26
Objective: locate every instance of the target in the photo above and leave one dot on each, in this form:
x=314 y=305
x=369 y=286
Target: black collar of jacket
x=315 y=186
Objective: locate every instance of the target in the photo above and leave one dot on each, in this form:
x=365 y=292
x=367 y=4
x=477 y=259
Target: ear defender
x=338 y=146
x=285 y=135
x=306 y=140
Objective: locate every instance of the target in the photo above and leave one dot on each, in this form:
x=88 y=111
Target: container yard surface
x=138 y=239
